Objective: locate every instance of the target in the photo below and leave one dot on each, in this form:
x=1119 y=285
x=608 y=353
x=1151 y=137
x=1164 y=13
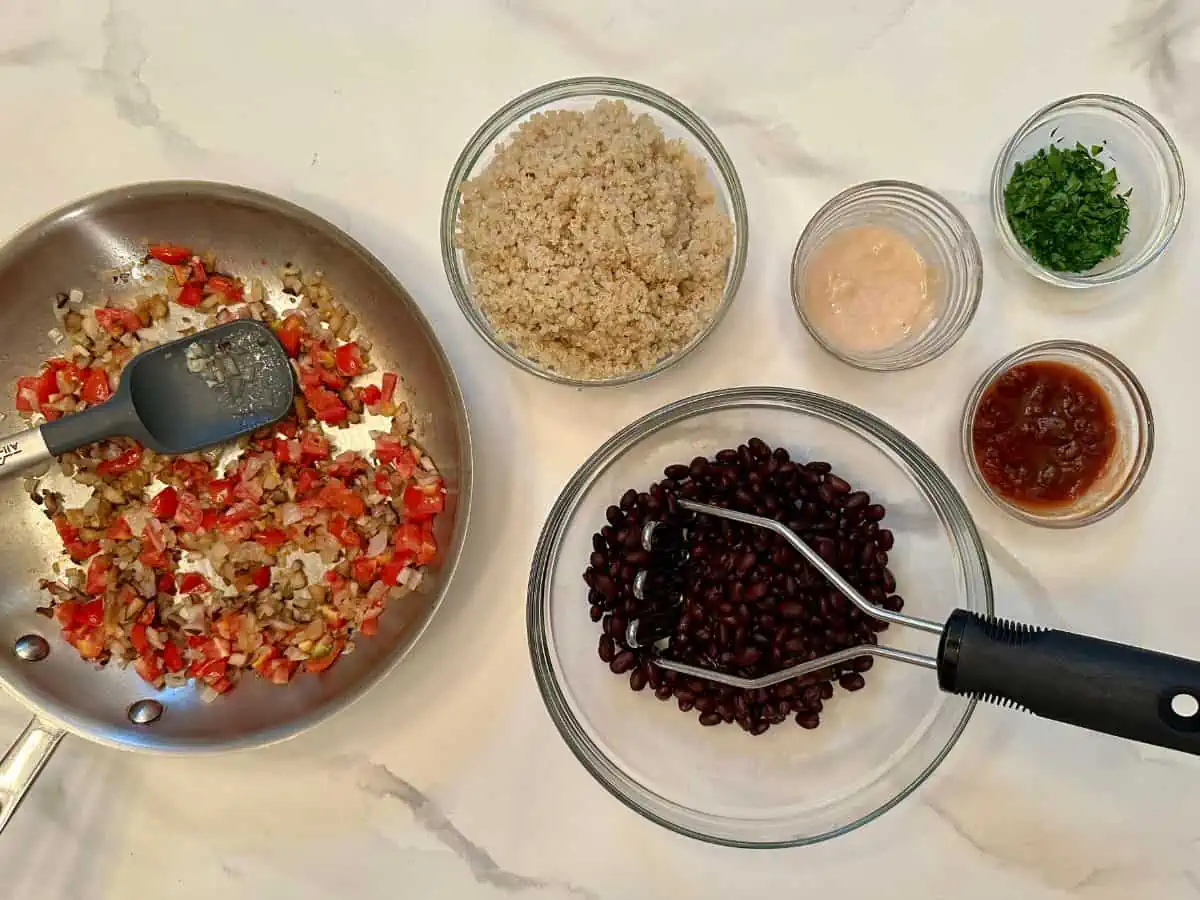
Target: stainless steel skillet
x=253 y=235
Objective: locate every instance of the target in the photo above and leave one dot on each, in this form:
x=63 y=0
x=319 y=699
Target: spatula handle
x=1099 y=685
x=21 y=451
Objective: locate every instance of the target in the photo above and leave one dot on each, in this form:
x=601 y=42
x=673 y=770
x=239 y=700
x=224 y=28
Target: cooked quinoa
x=595 y=246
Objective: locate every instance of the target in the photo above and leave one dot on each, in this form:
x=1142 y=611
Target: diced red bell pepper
x=137 y=637
x=166 y=583
x=391 y=449
x=369 y=627
x=220 y=491
x=96 y=387
x=363 y=570
x=306 y=481
x=242 y=511
x=81 y=550
x=337 y=496
x=96 y=582
x=164 y=504
x=390 y=381
x=261 y=578
x=279 y=671
x=341 y=530
x=414 y=542
x=321 y=663
x=27 y=394
x=191 y=295
x=67 y=532
x=348 y=360
x=390 y=572
x=230 y=289
x=193 y=582
x=89 y=615
x=370 y=395
x=118 y=320
x=171 y=254
x=172 y=658
x=291 y=335
x=313 y=446
x=326 y=405
x=118 y=530
x=271 y=538
x=126 y=461
x=424 y=501
x=208 y=670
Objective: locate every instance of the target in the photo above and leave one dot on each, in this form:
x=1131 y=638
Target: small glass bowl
x=1145 y=158
x=940 y=235
x=676 y=122
x=788 y=786
x=1135 y=433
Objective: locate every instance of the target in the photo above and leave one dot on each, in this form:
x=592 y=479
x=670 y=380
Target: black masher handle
x=1099 y=685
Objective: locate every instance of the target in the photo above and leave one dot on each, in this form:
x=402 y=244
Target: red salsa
x=1043 y=433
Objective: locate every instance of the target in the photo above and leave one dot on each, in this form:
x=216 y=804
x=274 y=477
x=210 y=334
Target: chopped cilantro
x=1064 y=208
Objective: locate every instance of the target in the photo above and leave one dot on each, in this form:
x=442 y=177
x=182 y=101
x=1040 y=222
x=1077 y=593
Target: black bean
x=623 y=662
x=852 y=682
x=856 y=500
x=839 y=485
x=739 y=598
x=607 y=648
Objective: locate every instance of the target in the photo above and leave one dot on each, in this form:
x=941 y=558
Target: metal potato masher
x=1083 y=681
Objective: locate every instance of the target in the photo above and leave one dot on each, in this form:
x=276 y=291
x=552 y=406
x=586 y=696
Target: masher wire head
x=653 y=538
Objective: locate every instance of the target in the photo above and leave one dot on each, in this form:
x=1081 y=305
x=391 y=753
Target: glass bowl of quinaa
x=1088 y=191
x=794 y=783
x=1058 y=434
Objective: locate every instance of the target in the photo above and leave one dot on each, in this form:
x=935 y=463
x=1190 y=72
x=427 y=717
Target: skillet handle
x=23 y=763
x=1083 y=681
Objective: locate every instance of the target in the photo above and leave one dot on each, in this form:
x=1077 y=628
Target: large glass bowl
x=677 y=123
x=789 y=786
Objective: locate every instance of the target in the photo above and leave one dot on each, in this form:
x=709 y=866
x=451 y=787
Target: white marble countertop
x=448 y=782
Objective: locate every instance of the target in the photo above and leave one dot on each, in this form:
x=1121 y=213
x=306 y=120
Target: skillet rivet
x=145 y=712
x=32 y=647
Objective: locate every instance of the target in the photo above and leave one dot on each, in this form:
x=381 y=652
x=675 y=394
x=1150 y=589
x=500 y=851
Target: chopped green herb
x=1064 y=208
x=1097 y=149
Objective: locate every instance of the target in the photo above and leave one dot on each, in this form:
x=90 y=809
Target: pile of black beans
x=736 y=598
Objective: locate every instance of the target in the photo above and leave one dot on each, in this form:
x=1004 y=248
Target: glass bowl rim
x=1120 y=372
x=1137 y=117
x=969 y=247
x=921 y=468
x=485 y=138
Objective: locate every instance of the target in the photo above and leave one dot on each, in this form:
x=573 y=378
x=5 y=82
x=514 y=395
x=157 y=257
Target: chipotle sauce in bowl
x=1043 y=434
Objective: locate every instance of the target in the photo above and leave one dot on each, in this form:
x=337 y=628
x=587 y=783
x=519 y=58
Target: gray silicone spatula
x=192 y=393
